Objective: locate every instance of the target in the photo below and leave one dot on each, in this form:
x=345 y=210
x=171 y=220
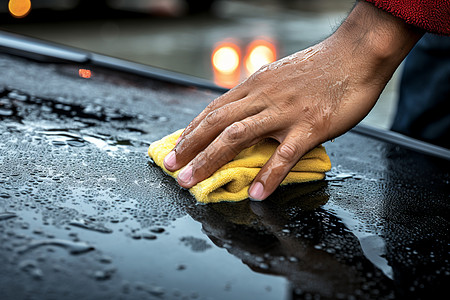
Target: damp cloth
x=232 y=181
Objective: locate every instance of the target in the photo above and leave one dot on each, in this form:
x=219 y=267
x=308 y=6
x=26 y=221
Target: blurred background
x=220 y=40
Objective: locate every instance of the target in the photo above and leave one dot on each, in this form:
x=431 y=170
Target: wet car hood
x=85 y=214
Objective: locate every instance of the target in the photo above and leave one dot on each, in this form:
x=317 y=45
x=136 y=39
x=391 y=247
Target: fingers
x=232 y=95
x=208 y=130
x=287 y=154
x=226 y=146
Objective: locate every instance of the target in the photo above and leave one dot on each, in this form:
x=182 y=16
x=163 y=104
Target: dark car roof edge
x=45 y=51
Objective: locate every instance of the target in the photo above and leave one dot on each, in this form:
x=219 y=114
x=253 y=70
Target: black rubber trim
x=36 y=49
x=402 y=140
x=44 y=51
x=152 y=72
x=40 y=50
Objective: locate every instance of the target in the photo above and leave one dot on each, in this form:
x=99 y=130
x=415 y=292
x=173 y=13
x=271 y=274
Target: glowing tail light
x=228 y=66
x=226 y=60
x=19 y=8
x=259 y=53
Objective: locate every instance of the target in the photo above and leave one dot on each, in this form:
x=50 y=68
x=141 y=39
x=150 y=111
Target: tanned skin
x=301 y=101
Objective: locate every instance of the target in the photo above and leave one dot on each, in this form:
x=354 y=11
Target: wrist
x=375 y=39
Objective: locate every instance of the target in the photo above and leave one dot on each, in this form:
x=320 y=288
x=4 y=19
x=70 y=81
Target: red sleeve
x=430 y=15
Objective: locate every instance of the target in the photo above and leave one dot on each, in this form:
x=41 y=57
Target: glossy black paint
x=85 y=214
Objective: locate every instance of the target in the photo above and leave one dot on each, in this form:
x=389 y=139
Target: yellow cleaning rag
x=231 y=182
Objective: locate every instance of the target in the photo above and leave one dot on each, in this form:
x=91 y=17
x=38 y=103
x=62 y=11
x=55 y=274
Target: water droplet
x=105 y=259
x=5 y=195
x=90 y=225
x=104 y=274
x=7 y=215
x=72 y=247
x=31 y=267
x=156 y=290
x=149 y=236
x=157 y=230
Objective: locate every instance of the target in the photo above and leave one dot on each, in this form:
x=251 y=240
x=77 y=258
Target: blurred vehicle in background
x=232 y=59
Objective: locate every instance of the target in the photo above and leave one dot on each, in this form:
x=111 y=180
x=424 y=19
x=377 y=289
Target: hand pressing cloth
x=231 y=181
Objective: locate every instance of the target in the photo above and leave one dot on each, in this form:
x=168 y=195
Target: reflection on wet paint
x=72 y=247
x=85 y=73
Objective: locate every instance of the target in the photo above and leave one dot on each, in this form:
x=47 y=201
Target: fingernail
x=256 y=191
x=185 y=174
x=170 y=160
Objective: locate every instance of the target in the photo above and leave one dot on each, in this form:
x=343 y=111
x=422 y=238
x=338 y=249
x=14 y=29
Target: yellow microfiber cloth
x=231 y=181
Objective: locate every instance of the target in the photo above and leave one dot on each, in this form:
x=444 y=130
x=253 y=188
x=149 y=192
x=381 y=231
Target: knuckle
x=190 y=126
x=291 y=102
x=213 y=118
x=287 y=104
x=288 y=152
x=187 y=131
x=257 y=124
x=201 y=160
x=209 y=160
x=265 y=99
x=202 y=163
x=251 y=108
x=235 y=132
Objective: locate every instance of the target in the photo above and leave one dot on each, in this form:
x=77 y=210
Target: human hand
x=301 y=101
